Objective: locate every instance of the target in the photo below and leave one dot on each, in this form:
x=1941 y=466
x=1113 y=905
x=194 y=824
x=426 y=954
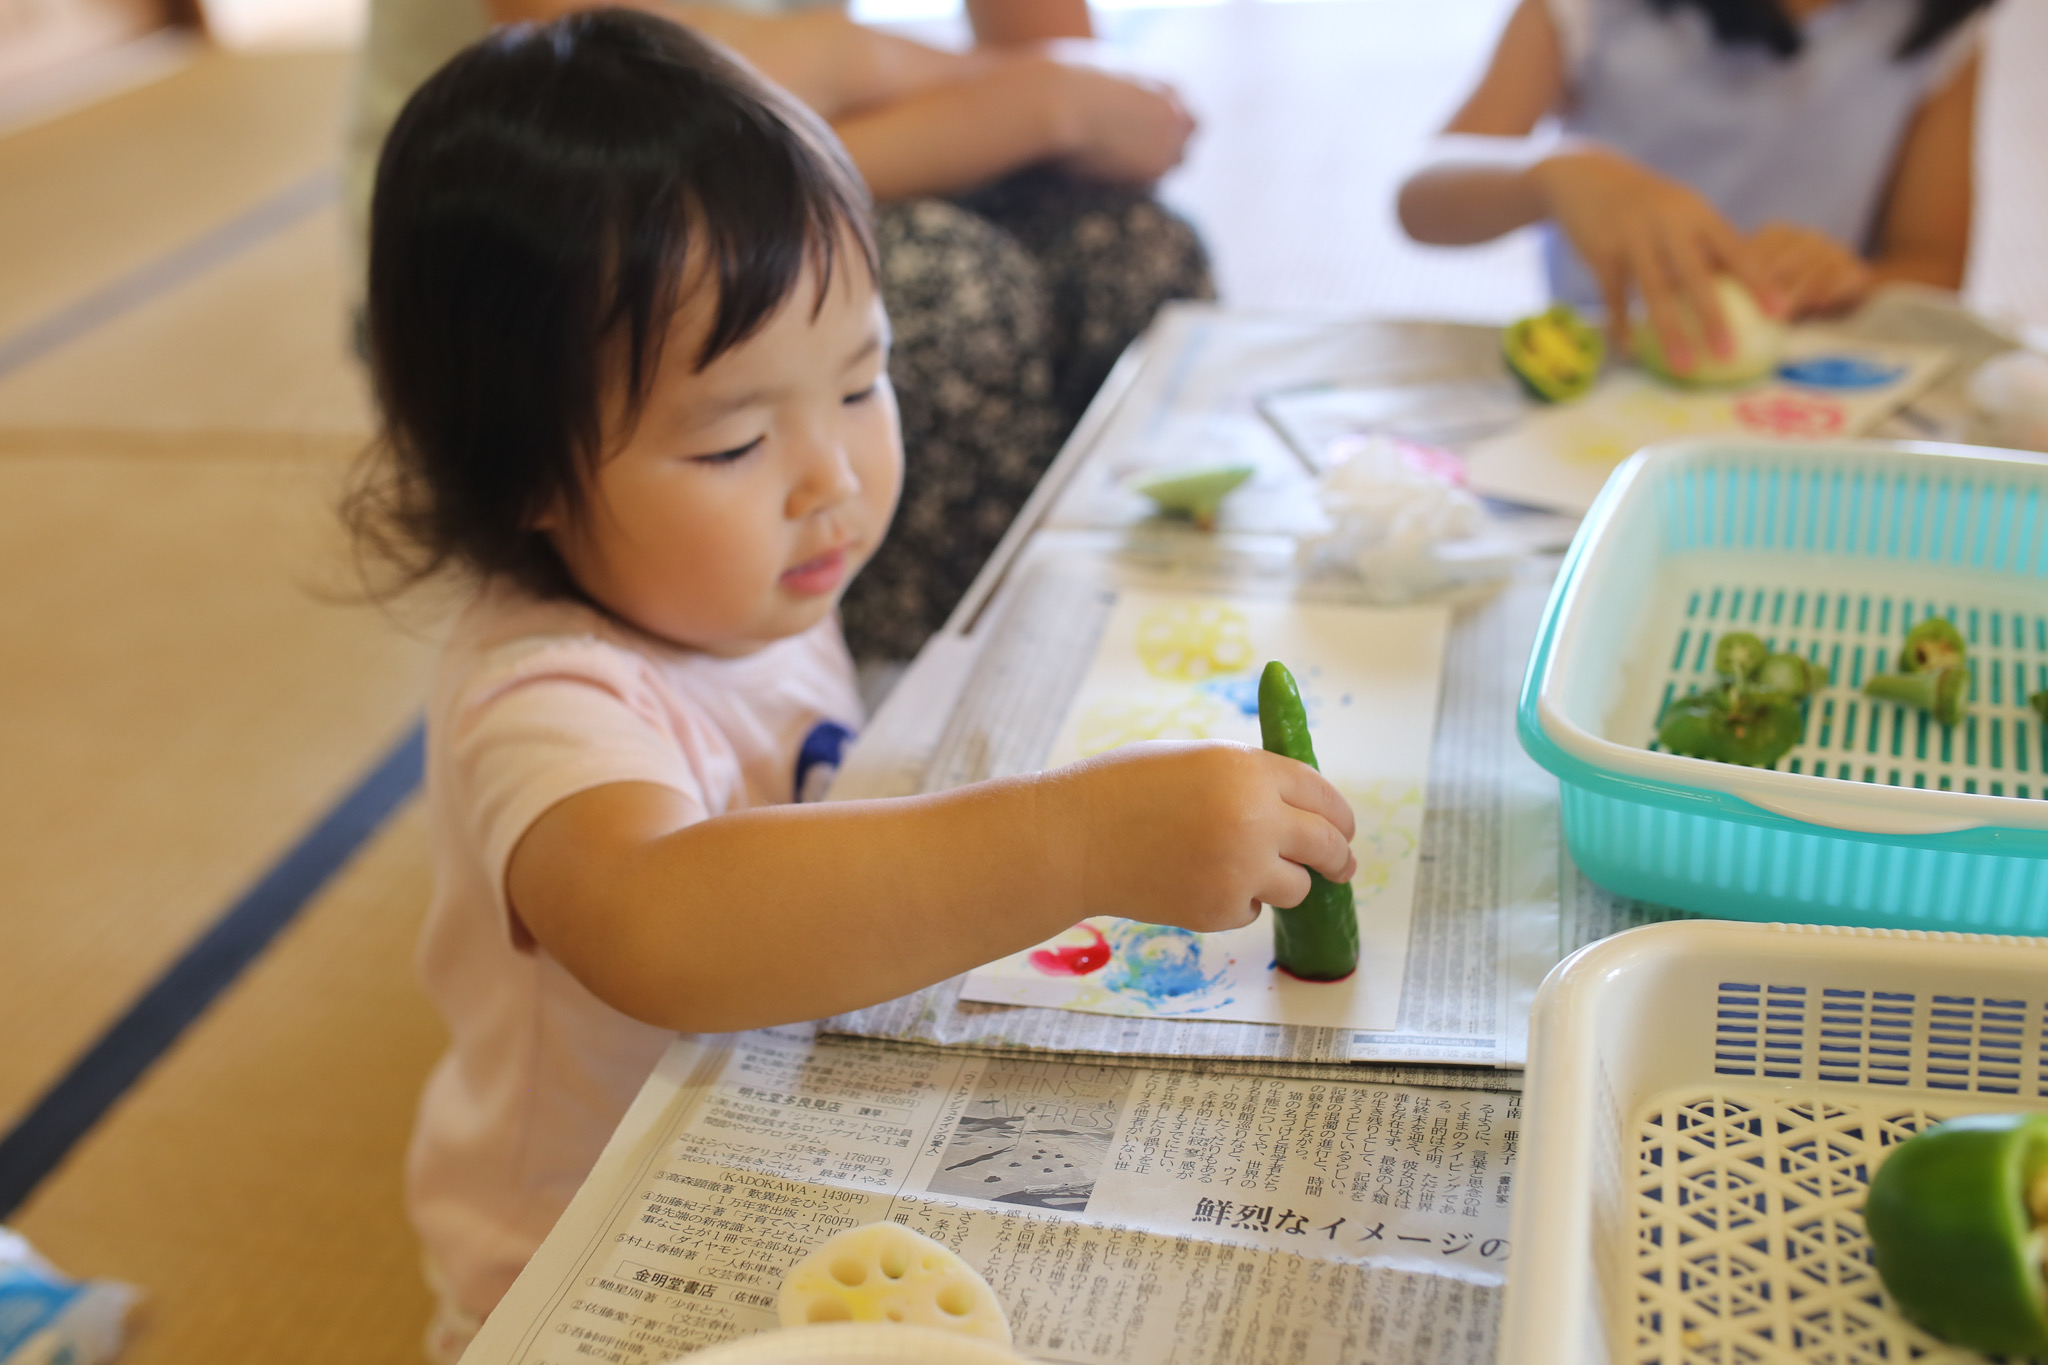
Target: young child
x=632 y=365
x=1811 y=148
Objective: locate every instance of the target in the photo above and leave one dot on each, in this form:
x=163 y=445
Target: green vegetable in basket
x=1732 y=725
x=1739 y=655
x=1753 y=718
x=1316 y=940
x=1939 y=693
x=1933 y=644
x=1743 y=659
x=1556 y=354
x=1790 y=676
x=1955 y=1218
x=1934 y=672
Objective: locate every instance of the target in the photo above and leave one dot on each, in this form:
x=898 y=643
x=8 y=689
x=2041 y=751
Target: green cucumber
x=1316 y=940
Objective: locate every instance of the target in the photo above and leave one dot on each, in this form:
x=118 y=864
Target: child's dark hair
x=1765 y=24
x=538 y=206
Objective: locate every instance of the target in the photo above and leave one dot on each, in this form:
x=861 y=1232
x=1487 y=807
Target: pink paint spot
x=1779 y=413
x=1078 y=960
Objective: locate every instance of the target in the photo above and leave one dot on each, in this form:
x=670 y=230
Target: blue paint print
x=1840 y=372
x=1240 y=693
x=1159 y=964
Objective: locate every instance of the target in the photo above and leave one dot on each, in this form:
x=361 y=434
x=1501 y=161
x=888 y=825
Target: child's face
x=749 y=492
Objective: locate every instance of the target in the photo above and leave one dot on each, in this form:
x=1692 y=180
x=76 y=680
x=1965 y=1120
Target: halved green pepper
x=1939 y=692
x=1954 y=1216
x=1738 y=655
x=1556 y=354
x=1790 y=676
x=1316 y=940
x=1933 y=644
x=1933 y=675
x=1732 y=725
x=1753 y=717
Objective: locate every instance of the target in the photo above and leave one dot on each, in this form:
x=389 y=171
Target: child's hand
x=1639 y=232
x=1198 y=834
x=1116 y=126
x=1811 y=271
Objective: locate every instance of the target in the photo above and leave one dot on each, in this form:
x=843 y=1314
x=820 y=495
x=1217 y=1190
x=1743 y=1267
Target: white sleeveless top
x=1808 y=139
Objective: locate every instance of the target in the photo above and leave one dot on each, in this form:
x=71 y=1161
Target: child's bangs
x=745 y=223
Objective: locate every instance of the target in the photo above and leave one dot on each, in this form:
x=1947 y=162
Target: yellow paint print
x=1188 y=642
x=1118 y=720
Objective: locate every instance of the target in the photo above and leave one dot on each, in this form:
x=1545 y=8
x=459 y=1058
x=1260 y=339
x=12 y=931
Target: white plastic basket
x=1706 y=1101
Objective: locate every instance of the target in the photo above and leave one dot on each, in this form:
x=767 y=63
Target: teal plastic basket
x=1881 y=817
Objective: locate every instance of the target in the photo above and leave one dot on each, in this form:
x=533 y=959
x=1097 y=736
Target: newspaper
x=1485 y=927
x=1124 y=1214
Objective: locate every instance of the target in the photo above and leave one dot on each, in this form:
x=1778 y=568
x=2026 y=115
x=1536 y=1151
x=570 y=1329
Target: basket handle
x=1858 y=818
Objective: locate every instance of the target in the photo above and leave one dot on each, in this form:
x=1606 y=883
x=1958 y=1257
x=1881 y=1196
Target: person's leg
x=1111 y=254
x=973 y=377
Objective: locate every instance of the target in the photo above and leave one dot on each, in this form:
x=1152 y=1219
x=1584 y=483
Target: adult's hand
x=1642 y=234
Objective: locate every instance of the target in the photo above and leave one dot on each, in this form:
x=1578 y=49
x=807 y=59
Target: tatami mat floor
x=186 y=691
x=252 y=356
x=250 y=1184
x=105 y=191
x=188 y=705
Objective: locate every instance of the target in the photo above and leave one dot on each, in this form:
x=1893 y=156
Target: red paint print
x=1078 y=960
x=1778 y=413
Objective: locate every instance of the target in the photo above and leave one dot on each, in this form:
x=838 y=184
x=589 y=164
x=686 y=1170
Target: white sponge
x=884 y=1272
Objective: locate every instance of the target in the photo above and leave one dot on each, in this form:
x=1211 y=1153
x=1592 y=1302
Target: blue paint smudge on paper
x=1840 y=372
x=1241 y=693
x=1160 y=965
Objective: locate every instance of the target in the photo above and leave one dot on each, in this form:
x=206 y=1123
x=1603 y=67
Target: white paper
x=1136 y=1215
x=1484 y=928
x=1187 y=666
x=1560 y=456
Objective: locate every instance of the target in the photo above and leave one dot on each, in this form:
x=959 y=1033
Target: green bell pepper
x=1931 y=645
x=1952 y=1216
x=1738 y=655
x=1790 y=676
x=1742 y=658
x=1940 y=692
x=2039 y=701
x=1556 y=354
x=1316 y=940
x=1732 y=725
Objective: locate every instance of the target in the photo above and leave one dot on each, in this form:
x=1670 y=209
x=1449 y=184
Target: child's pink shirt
x=535 y=701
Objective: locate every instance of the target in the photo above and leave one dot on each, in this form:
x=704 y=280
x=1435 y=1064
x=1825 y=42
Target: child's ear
x=550 y=518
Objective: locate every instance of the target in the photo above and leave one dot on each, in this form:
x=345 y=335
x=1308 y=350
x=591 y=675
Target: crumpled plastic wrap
x=48 y=1319
x=1396 y=514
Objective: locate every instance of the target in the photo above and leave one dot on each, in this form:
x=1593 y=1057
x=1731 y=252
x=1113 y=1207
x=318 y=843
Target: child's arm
x=794 y=912
x=1636 y=231
x=1925 y=231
